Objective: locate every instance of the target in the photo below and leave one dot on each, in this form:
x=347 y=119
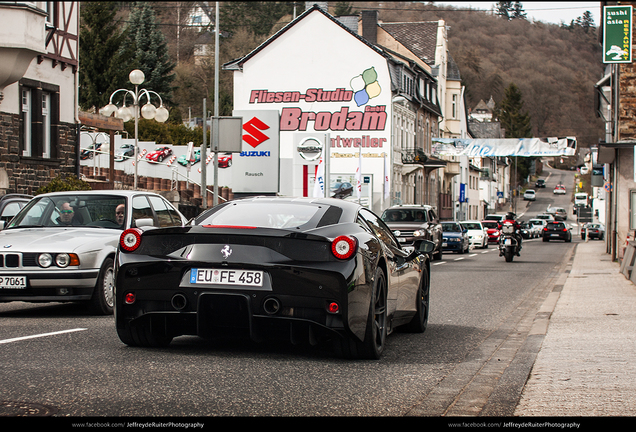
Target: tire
x=143 y=336
x=103 y=300
x=509 y=254
x=420 y=321
x=375 y=336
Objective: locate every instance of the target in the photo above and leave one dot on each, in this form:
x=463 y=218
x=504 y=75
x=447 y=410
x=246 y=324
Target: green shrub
x=64 y=182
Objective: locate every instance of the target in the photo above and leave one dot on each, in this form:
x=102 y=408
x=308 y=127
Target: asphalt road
x=58 y=361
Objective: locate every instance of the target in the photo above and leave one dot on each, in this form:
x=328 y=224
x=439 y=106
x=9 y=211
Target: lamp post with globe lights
x=148 y=111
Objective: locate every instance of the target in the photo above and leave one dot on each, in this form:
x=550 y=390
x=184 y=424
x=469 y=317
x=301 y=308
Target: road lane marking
x=441 y=262
x=40 y=335
x=458 y=259
x=473 y=254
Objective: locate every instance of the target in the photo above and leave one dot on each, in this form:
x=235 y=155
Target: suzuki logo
x=254 y=128
x=226 y=251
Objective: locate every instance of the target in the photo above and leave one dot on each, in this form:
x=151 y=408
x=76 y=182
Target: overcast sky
x=549 y=12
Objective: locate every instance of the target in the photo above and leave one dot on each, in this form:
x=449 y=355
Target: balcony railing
x=414 y=156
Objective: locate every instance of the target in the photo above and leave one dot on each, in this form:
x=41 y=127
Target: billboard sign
x=617 y=34
x=255 y=169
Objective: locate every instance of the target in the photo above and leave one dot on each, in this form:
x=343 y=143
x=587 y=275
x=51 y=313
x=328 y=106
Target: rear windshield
x=471 y=225
x=490 y=224
x=266 y=215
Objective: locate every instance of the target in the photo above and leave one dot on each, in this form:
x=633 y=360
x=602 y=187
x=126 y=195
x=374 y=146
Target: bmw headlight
x=62 y=260
x=45 y=260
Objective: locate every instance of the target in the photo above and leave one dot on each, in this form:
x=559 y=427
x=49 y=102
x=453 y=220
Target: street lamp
x=148 y=111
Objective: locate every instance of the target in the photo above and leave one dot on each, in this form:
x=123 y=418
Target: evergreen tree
x=149 y=52
x=517 y=11
x=103 y=68
x=503 y=9
x=515 y=122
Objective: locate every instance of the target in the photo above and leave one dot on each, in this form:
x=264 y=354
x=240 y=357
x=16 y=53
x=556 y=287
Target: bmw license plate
x=226 y=277
x=12 y=282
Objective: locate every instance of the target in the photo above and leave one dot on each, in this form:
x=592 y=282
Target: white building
x=315 y=83
x=38 y=93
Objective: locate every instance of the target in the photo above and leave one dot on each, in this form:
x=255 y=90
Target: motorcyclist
x=510 y=217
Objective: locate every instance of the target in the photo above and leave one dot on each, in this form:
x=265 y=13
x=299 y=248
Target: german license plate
x=508 y=242
x=554 y=235
x=12 y=282
x=226 y=277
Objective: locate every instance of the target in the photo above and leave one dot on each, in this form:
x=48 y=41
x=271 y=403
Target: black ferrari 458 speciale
x=311 y=270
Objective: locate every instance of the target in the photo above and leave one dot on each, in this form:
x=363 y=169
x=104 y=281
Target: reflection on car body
x=61 y=246
x=314 y=270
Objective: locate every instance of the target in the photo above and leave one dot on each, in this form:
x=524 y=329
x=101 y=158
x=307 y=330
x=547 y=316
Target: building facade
x=38 y=93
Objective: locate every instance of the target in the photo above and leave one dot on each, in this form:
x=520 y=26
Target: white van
x=580 y=198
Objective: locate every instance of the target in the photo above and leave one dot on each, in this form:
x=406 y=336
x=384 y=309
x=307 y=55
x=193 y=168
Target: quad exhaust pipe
x=271 y=305
x=179 y=301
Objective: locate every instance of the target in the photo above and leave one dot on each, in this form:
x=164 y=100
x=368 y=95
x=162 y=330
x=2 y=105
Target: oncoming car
x=313 y=270
x=61 y=246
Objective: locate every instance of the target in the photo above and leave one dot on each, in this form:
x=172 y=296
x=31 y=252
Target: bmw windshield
x=74 y=210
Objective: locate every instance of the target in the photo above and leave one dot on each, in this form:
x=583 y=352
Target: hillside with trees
x=553 y=66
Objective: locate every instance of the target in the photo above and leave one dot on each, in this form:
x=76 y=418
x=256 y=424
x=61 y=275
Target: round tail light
x=130 y=239
x=344 y=247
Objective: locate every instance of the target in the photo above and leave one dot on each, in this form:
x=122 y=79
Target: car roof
x=120 y=192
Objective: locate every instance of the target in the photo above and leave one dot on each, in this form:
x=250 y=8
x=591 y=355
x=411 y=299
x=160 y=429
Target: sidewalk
x=587 y=363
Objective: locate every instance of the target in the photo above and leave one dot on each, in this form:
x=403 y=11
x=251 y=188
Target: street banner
x=527 y=147
x=617 y=34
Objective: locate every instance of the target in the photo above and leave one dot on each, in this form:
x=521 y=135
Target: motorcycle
x=508 y=241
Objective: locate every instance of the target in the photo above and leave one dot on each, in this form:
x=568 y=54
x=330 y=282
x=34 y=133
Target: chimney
x=370 y=26
x=322 y=5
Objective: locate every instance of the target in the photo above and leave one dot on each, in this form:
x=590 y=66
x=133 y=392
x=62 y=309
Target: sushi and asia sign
x=617 y=34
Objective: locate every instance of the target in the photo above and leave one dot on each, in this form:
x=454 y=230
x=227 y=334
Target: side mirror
x=424 y=246
x=142 y=222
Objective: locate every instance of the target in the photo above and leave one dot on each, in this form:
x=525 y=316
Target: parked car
x=196 y=156
x=413 y=222
x=594 y=230
x=529 y=195
x=159 y=154
x=126 y=151
x=455 y=237
x=89 y=152
x=556 y=231
x=559 y=190
x=558 y=213
x=319 y=270
x=61 y=246
x=477 y=234
x=540 y=183
x=492 y=230
x=341 y=190
x=10 y=205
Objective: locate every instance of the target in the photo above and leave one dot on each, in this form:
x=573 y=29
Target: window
x=454 y=107
x=26 y=125
x=46 y=125
x=39 y=118
x=165 y=213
